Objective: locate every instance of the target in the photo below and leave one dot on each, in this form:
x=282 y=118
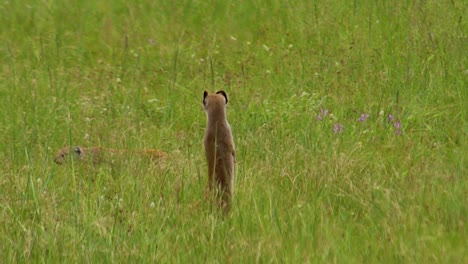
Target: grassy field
x=349 y=119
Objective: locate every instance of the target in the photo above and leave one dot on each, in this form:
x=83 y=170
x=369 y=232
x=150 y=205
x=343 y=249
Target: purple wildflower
x=322 y=114
x=152 y=42
x=363 y=117
x=390 y=118
x=397 y=126
x=338 y=128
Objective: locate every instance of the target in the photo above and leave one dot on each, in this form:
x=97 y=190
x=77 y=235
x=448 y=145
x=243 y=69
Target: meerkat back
x=219 y=147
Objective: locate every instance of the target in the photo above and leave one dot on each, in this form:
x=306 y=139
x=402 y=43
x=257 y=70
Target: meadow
x=349 y=119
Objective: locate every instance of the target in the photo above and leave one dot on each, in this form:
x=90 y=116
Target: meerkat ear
x=205 y=94
x=223 y=93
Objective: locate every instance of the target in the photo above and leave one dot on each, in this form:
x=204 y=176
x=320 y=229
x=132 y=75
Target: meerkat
x=219 y=148
x=96 y=155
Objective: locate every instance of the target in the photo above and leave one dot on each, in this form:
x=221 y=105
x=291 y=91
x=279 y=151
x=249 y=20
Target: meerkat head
x=62 y=154
x=215 y=102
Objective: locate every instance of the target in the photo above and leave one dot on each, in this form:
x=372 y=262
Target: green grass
x=131 y=75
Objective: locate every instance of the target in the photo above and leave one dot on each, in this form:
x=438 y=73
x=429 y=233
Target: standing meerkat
x=219 y=148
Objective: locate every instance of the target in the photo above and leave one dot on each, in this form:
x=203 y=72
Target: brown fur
x=97 y=155
x=219 y=148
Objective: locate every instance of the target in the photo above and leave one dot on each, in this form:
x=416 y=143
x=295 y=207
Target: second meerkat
x=219 y=147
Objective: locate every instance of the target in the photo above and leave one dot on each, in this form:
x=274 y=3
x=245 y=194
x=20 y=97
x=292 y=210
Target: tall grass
x=314 y=183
